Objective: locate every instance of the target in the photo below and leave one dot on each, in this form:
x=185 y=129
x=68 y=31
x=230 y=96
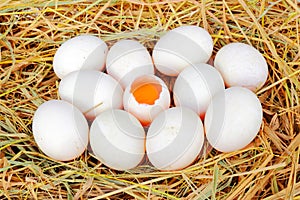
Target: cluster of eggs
x=113 y=111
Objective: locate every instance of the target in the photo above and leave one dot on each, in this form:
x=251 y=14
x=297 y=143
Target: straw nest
x=30 y=33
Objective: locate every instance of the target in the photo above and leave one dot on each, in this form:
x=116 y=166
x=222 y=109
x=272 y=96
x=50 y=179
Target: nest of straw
x=30 y=33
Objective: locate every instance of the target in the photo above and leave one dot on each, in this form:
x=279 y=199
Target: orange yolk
x=146 y=94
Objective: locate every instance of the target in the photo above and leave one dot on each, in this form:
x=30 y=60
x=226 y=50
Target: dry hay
x=30 y=33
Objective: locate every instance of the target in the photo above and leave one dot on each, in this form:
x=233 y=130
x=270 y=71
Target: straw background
x=30 y=33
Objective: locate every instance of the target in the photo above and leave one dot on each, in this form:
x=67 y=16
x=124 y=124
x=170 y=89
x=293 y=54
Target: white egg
x=91 y=91
x=242 y=65
x=181 y=47
x=233 y=119
x=196 y=85
x=127 y=60
x=146 y=97
x=118 y=139
x=60 y=130
x=174 y=139
x=81 y=52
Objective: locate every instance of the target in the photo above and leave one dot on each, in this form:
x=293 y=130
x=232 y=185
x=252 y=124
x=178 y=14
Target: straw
x=31 y=32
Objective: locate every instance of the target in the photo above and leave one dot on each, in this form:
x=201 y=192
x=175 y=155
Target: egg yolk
x=146 y=93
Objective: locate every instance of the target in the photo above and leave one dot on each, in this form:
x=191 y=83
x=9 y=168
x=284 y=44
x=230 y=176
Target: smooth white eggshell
x=118 y=139
x=91 y=91
x=174 y=139
x=181 y=47
x=127 y=60
x=143 y=112
x=60 y=130
x=196 y=85
x=241 y=65
x=80 y=52
x=233 y=119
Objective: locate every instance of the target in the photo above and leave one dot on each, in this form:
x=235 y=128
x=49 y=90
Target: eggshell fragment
x=196 y=85
x=174 y=139
x=91 y=91
x=127 y=60
x=60 y=130
x=242 y=65
x=146 y=97
x=182 y=47
x=118 y=139
x=233 y=119
x=80 y=52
